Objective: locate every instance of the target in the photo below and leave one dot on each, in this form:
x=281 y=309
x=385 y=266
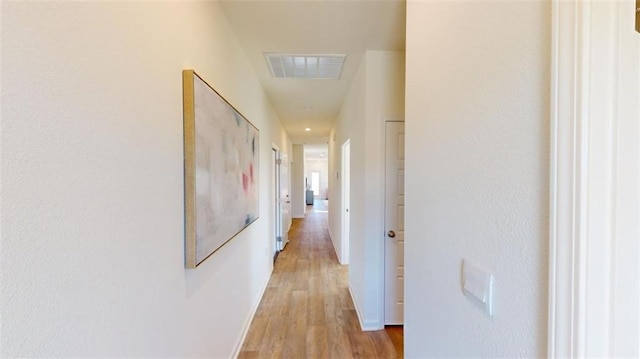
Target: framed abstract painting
x=221 y=165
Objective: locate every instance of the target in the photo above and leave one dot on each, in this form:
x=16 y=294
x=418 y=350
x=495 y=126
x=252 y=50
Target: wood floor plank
x=295 y=345
x=248 y=355
x=339 y=344
x=396 y=334
x=253 y=341
x=302 y=274
x=383 y=347
x=317 y=345
x=273 y=340
x=307 y=310
x=316 y=310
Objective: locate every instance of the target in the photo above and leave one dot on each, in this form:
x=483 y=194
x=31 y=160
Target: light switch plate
x=477 y=285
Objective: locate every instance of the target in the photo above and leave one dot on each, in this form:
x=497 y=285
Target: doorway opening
x=316 y=169
x=315 y=184
x=280 y=199
x=275 y=198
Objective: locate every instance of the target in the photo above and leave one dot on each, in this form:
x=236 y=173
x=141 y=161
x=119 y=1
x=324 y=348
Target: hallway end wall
x=92 y=189
x=477 y=176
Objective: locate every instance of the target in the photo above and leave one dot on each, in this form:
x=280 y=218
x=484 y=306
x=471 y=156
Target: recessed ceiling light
x=307 y=108
x=305 y=66
x=307 y=129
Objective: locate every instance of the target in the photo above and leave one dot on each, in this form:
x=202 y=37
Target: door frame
x=284 y=182
x=346 y=202
x=384 y=223
x=275 y=200
x=584 y=251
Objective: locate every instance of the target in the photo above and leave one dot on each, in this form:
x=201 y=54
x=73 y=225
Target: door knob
x=391 y=234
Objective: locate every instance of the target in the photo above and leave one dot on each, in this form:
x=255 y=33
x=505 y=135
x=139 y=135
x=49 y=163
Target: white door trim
x=587 y=118
x=392 y=316
x=346 y=203
x=277 y=219
x=564 y=157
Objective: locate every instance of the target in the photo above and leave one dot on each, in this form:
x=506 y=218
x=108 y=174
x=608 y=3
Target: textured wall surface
x=92 y=182
x=477 y=142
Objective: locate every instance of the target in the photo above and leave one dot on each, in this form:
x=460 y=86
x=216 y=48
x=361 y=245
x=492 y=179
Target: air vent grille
x=301 y=66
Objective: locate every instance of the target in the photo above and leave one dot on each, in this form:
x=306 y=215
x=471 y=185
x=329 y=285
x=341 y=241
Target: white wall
x=376 y=96
x=321 y=166
x=352 y=111
x=298 y=205
x=477 y=173
x=92 y=182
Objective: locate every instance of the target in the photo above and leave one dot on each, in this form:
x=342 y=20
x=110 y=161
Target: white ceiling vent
x=305 y=66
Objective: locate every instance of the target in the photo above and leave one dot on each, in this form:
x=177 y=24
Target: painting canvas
x=221 y=170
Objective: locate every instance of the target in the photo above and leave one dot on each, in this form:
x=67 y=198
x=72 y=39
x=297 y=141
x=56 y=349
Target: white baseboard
x=335 y=248
x=365 y=325
x=249 y=319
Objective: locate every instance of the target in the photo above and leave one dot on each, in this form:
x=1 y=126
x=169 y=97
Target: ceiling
x=316 y=152
x=319 y=27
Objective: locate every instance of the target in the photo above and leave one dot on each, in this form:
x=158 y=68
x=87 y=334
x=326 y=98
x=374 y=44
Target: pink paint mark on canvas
x=245 y=182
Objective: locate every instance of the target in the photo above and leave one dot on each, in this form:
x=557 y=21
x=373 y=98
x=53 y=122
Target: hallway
x=306 y=310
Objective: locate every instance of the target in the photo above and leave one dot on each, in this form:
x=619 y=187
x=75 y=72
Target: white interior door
x=276 y=200
x=394 y=224
x=594 y=291
x=346 y=219
x=285 y=199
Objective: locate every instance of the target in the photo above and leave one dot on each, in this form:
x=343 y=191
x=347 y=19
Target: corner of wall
x=366 y=325
x=248 y=320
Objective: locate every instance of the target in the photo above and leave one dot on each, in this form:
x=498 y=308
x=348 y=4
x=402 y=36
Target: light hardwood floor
x=306 y=310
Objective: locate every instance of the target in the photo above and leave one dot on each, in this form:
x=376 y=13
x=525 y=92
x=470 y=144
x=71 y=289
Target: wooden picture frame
x=221 y=165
